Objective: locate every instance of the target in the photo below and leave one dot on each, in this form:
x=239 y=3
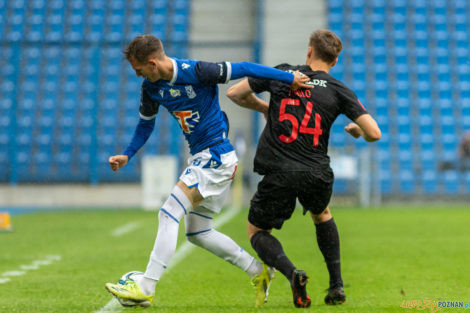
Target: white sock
x=146 y=284
x=164 y=248
x=255 y=268
x=199 y=231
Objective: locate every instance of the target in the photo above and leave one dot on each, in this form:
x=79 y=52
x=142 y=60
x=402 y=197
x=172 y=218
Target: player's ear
x=152 y=63
x=334 y=62
x=309 y=52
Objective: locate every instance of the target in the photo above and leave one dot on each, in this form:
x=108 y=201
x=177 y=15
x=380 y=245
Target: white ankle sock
x=146 y=284
x=255 y=268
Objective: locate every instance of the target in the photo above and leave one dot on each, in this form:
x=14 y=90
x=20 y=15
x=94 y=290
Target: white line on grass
x=184 y=249
x=124 y=229
x=33 y=266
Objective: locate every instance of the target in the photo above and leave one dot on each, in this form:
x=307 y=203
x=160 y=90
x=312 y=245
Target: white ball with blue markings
x=130 y=276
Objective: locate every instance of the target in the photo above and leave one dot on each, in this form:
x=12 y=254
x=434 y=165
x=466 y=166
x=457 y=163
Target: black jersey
x=296 y=134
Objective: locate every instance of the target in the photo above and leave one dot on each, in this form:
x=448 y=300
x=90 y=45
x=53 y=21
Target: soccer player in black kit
x=292 y=156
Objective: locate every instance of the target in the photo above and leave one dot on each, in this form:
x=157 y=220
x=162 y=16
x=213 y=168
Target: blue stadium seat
x=451 y=183
x=407 y=181
x=116 y=23
x=429 y=181
x=136 y=27
x=54 y=75
x=95 y=20
x=16 y=21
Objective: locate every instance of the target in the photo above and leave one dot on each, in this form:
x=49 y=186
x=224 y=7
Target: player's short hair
x=326 y=45
x=142 y=47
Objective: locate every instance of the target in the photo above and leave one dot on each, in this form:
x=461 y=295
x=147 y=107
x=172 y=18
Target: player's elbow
x=374 y=135
x=233 y=95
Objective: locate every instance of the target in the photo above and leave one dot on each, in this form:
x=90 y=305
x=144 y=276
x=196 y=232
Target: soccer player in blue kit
x=188 y=90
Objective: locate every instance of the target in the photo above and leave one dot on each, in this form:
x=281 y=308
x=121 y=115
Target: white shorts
x=211 y=171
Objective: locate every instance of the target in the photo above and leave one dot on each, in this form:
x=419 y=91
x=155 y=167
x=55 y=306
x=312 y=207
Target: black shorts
x=274 y=201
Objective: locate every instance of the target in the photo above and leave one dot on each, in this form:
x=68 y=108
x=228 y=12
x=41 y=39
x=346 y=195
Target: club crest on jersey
x=185 y=66
x=175 y=93
x=187 y=120
x=197 y=161
x=190 y=92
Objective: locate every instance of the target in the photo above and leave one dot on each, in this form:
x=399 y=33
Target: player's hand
x=354 y=130
x=299 y=81
x=118 y=161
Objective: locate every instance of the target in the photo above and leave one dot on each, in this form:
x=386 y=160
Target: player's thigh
x=314 y=193
x=213 y=183
x=273 y=202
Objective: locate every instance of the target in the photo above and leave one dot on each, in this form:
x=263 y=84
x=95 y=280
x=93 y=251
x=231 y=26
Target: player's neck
x=318 y=65
x=166 y=68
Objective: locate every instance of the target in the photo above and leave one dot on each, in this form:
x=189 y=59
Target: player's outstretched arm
x=221 y=73
x=364 y=126
x=243 y=69
x=242 y=94
x=118 y=161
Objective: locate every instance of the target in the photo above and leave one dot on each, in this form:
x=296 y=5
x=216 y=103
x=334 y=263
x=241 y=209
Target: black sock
x=270 y=251
x=328 y=242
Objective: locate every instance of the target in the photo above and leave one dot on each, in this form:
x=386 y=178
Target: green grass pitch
x=388 y=256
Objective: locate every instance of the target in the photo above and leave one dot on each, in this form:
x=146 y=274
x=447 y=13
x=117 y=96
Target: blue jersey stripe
x=195 y=185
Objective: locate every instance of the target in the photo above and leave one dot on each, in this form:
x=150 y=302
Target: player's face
x=148 y=70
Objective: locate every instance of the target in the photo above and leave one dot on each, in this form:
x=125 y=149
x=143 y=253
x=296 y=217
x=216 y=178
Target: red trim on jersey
x=361 y=104
x=233 y=175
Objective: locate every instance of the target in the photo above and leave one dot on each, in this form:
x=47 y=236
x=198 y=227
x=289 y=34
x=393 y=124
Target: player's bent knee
x=193 y=239
x=322 y=217
x=198 y=239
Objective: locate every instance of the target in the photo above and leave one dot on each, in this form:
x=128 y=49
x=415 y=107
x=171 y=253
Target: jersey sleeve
x=350 y=104
x=142 y=133
x=148 y=109
x=259 y=85
x=213 y=73
x=222 y=72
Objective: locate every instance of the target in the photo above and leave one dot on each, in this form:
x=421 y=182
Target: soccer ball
x=130 y=276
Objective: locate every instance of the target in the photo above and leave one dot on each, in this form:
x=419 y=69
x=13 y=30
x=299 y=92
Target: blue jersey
x=192 y=98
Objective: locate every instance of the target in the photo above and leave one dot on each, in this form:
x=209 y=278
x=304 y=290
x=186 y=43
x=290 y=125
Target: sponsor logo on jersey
x=187 y=171
x=187 y=120
x=190 y=92
x=175 y=93
x=317 y=82
x=185 y=66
